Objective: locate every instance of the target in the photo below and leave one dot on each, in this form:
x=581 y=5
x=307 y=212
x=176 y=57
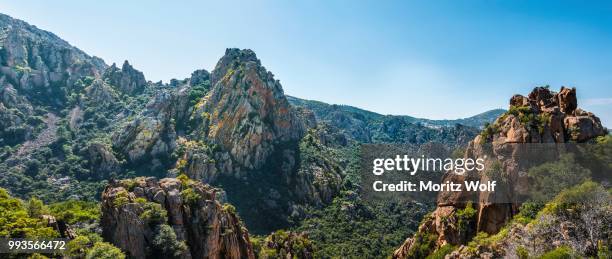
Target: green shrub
x=190 y=196
x=546 y=180
x=282 y=243
x=489 y=130
x=528 y=212
x=465 y=216
x=543 y=119
x=257 y=242
x=166 y=243
x=423 y=245
x=35 y=207
x=198 y=91
x=522 y=252
x=121 y=198
x=74 y=211
x=603 y=250
x=570 y=200
x=129 y=184
x=78 y=247
x=562 y=252
x=154 y=214
x=442 y=252
x=184 y=180
x=519 y=110
x=229 y=208
x=15 y=221
x=103 y=250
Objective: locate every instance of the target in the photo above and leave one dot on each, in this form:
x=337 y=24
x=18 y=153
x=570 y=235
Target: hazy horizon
x=426 y=60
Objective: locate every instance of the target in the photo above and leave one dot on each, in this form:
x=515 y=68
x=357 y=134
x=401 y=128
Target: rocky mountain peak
x=233 y=57
x=545 y=116
x=27 y=46
x=127 y=79
x=246 y=111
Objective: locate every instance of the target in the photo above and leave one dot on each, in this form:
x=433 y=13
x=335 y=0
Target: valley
x=224 y=164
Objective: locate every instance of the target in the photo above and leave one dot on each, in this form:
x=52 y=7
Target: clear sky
x=432 y=59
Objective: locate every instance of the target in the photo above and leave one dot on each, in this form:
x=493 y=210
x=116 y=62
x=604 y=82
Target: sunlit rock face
x=543 y=116
x=246 y=112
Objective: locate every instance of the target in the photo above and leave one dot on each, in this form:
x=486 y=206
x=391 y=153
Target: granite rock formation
x=133 y=211
x=246 y=112
x=542 y=117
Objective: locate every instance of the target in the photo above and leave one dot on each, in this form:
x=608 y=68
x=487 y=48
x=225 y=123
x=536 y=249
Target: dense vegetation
x=351 y=227
x=21 y=219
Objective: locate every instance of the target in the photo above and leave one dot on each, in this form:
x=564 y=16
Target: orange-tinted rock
x=567 y=100
x=208 y=230
x=543 y=117
x=246 y=112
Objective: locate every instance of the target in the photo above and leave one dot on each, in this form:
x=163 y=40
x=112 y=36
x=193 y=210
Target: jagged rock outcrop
x=246 y=112
x=153 y=134
x=542 y=117
x=127 y=79
x=134 y=211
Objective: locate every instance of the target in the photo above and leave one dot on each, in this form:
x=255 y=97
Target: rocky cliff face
x=541 y=117
x=246 y=112
x=136 y=215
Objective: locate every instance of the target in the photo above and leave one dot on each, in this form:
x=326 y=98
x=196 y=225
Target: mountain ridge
x=477 y=120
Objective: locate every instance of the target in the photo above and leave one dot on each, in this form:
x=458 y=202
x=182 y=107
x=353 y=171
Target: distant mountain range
x=322 y=111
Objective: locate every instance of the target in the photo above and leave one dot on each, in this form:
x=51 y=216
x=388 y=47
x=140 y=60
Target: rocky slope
x=136 y=212
x=369 y=127
x=36 y=67
x=542 y=117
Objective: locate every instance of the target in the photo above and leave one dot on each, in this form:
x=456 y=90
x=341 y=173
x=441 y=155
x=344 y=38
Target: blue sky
x=432 y=59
